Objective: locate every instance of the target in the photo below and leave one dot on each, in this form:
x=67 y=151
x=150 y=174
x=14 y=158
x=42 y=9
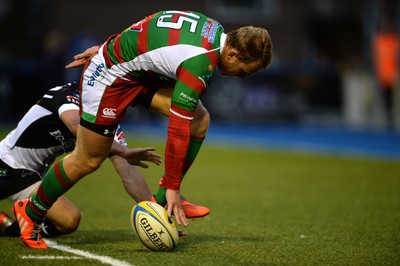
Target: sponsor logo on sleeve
x=187 y=98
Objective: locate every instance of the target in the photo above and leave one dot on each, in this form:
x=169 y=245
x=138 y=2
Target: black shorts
x=15 y=180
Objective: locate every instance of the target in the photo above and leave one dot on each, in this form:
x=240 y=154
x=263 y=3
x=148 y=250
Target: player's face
x=230 y=65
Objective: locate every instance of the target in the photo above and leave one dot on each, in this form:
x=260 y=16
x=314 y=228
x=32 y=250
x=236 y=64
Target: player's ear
x=232 y=53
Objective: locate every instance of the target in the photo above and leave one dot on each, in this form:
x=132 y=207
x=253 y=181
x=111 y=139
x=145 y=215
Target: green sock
x=193 y=150
x=54 y=184
x=160 y=196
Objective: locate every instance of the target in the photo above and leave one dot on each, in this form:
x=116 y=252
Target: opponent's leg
x=8 y=226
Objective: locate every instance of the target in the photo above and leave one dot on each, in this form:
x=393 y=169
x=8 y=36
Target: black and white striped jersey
x=41 y=135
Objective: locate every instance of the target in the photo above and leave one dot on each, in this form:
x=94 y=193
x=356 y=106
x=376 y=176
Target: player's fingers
x=76 y=63
x=146 y=149
x=154 y=154
x=177 y=214
x=156 y=160
x=143 y=165
x=182 y=216
x=70 y=65
x=169 y=210
x=79 y=56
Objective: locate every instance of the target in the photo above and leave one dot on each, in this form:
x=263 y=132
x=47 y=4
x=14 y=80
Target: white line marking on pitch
x=85 y=254
x=51 y=257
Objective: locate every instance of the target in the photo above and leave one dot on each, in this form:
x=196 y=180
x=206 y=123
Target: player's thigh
x=161 y=102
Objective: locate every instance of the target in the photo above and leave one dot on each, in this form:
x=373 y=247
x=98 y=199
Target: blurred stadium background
x=322 y=77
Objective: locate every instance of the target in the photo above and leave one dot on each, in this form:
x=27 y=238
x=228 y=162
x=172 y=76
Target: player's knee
x=201 y=123
x=204 y=123
x=93 y=164
x=71 y=222
x=62 y=224
x=90 y=165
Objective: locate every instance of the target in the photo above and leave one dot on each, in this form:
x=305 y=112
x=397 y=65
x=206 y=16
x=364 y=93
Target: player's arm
x=192 y=79
x=71 y=119
x=82 y=58
x=178 y=140
x=193 y=76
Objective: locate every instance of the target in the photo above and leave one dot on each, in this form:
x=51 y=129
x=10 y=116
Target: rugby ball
x=151 y=225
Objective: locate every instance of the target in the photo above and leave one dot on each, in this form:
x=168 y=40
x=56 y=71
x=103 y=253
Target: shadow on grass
x=204 y=238
x=96 y=237
x=127 y=238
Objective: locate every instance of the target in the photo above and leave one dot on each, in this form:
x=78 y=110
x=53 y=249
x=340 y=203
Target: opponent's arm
x=71 y=119
x=133 y=181
x=136 y=156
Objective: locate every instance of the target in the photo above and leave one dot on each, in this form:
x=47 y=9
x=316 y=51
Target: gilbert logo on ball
x=151 y=225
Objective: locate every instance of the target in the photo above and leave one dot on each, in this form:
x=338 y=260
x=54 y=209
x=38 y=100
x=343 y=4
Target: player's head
x=246 y=51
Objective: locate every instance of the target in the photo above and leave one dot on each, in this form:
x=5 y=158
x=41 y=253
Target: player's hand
x=138 y=156
x=174 y=205
x=82 y=58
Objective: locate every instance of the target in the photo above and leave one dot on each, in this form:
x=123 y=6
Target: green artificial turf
x=267 y=208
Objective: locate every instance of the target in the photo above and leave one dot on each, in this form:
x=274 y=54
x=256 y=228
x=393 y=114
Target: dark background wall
x=314 y=42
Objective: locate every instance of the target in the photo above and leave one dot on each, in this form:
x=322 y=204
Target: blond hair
x=253 y=44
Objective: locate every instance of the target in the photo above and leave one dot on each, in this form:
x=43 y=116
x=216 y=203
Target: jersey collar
x=222 y=42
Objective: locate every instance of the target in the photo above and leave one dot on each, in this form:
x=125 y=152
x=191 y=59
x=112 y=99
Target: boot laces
x=37 y=231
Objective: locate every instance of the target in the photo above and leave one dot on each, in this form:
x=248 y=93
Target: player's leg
x=90 y=151
x=198 y=131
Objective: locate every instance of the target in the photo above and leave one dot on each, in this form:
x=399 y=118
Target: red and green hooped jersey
x=183 y=46
x=180 y=45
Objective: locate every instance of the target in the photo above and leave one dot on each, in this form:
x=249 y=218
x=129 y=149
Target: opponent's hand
x=174 y=205
x=82 y=58
x=138 y=156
